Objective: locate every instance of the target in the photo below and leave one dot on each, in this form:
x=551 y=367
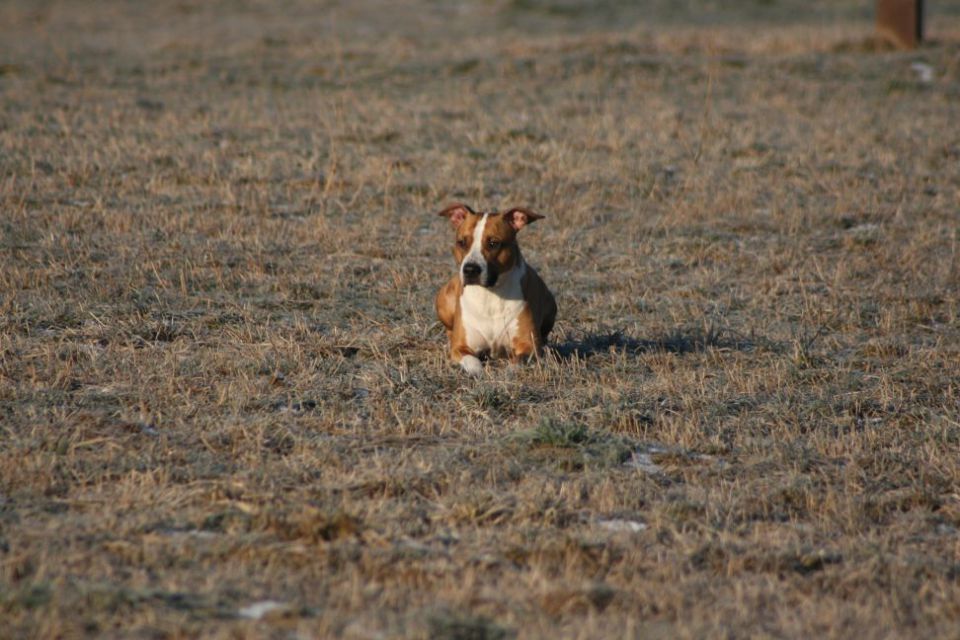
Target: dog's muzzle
x=471 y=273
x=483 y=275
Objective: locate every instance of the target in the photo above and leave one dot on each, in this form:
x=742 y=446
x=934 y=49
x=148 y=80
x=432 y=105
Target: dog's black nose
x=471 y=270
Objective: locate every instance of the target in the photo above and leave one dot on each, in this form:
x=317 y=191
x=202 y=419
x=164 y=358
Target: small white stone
x=618 y=525
x=642 y=461
x=257 y=610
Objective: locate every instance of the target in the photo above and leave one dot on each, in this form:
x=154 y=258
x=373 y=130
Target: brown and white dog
x=496 y=305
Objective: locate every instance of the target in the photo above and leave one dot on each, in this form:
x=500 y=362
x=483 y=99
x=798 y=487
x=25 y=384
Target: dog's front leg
x=461 y=352
x=527 y=342
x=522 y=352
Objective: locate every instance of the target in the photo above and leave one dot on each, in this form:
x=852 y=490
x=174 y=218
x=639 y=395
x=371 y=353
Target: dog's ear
x=456 y=213
x=519 y=218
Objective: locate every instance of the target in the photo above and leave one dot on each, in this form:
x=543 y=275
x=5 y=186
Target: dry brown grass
x=221 y=381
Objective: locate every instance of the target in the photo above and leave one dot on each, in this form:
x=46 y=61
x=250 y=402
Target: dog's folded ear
x=519 y=218
x=456 y=213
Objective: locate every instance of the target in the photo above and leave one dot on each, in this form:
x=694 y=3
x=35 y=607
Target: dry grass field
x=222 y=382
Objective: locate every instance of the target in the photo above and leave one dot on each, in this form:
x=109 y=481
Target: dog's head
x=486 y=243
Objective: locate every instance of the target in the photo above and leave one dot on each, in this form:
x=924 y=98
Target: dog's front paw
x=472 y=365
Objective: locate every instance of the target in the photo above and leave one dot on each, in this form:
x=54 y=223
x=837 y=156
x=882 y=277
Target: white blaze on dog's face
x=486 y=243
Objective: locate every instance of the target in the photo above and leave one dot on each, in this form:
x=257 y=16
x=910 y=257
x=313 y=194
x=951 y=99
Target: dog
x=496 y=305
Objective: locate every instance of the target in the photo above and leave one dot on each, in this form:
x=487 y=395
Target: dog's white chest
x=490 y=316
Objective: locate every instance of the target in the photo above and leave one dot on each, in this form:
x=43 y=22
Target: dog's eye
x=462 y=243
x=493 y=243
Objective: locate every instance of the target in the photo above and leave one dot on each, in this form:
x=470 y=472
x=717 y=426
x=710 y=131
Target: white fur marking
x=472 y=365
x=476 y=250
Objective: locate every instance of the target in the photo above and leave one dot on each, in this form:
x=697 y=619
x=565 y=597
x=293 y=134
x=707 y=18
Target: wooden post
x=901 y=22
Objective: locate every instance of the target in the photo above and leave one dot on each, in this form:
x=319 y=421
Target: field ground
x=222 y=382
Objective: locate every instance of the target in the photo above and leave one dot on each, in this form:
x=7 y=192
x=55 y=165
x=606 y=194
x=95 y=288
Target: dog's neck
x=508 y=280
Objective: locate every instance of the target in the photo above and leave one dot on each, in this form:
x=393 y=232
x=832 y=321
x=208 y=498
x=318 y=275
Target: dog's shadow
x=680 y=340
